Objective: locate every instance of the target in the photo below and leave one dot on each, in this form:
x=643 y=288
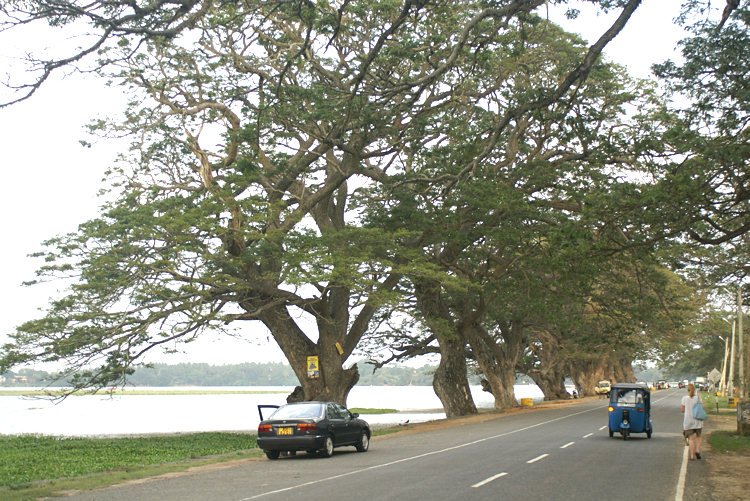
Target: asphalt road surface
x=557 y=453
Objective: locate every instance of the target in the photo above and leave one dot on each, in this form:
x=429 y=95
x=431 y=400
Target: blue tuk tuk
x=630 y=410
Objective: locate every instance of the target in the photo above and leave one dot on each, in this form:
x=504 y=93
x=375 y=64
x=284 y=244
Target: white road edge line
x=603 y=428
x=587 y=436
x=537 y=458
x=567 y=445
x=488 y=480
x=683 y=474
x=418 y=456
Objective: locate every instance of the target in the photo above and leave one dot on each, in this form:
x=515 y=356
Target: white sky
x=49 y=181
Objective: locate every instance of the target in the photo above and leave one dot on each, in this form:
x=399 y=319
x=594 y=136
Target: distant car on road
x=315 y=427
x=602 y=387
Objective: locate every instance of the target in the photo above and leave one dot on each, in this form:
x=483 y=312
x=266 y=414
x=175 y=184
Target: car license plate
x=287 y=430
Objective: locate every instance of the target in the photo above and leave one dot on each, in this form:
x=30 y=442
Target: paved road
x=556 y=453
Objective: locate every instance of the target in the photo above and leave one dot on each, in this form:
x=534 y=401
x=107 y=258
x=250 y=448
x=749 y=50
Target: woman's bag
x=699 y=412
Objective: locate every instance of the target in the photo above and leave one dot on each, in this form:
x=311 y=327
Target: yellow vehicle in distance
x=603 y=387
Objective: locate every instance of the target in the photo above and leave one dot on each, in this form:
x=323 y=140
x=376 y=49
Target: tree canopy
x=319 y=167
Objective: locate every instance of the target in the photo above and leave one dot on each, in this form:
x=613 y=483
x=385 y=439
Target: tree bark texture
x=497 y=358
x=450 y=382
x=548 y=368
x=334 y=382
x=588 y=371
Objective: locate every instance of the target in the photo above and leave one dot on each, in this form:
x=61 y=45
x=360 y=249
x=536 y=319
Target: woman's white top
x=688 y=421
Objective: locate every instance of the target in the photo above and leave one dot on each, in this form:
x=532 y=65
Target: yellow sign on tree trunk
x=313 y=369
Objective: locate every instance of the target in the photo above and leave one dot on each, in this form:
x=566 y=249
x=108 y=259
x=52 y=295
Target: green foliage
x=27 y=458
x=310 y=163
x=700 y=352
x=705 y=185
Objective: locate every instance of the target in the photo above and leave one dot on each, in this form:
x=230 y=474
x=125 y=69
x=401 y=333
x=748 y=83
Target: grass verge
x=28 y=460
x=730 y=441
x=60 y=486
x=372 y=411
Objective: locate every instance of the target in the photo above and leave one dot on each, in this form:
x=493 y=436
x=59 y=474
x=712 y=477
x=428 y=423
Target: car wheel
x=364 y=442
x=327 y=450
x=273 y=454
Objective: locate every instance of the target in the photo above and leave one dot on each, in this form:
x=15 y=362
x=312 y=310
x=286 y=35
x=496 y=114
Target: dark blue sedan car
x=315 y=427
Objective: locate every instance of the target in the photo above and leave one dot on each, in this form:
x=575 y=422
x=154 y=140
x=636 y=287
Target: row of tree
x=454 y=177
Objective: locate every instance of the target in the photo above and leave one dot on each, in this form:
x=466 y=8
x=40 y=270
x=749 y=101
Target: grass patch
x=57 y=487
x=728 y=441
x=372 y=411
x=26 y=459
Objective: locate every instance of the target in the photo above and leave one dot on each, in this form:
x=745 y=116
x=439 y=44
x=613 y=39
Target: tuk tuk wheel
x=625 y=434
x=611 y=433
x=648 y=433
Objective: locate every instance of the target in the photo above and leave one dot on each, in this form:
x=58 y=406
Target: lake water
x=103 y=415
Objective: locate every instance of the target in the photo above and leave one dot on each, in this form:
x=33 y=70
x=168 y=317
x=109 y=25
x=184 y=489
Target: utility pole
x=723 y=382
x=730 y=383
x=741 y=334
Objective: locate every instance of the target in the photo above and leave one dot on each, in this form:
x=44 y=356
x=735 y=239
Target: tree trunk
x=552 y=384
x=450 y=382
x=501 y=381
x=624 y=371
x=333 y=381
x=330 y=386
x=546 y=366
x=498 y=360
x=587 y=372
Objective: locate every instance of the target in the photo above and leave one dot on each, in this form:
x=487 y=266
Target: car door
x=337 y=424
x=352 y=425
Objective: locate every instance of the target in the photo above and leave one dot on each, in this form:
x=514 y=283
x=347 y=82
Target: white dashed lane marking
x=537 y=458
x=488 y=480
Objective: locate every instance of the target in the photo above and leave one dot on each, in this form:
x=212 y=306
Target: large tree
x=497 y=214
x=253 y=123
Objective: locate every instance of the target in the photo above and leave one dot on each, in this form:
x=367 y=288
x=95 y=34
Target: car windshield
x=296 y=411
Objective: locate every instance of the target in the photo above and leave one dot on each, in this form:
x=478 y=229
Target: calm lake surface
x=104 y=415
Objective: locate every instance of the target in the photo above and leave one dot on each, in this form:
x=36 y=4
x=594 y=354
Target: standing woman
x=691 y=427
